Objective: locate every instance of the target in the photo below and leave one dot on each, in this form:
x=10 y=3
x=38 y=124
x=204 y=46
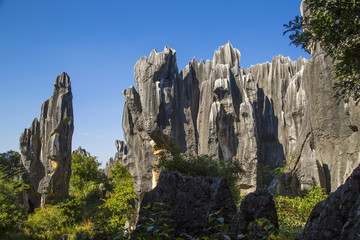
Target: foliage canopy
x=84 y=172
x=335 y=25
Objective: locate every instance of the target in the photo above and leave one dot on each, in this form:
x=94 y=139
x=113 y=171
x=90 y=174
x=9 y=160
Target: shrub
x=120 y=205
x=47 y=223
x=294 y=212
x=200 y=166
x=11 y=214
x=84 y=173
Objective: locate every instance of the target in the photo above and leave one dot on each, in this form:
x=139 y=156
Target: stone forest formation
x=274 y=114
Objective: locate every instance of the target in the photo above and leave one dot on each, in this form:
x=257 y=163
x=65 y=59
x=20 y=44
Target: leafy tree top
x=335 y=25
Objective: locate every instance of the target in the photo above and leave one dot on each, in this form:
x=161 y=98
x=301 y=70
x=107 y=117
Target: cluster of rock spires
x=46 y=146
x=271 y=114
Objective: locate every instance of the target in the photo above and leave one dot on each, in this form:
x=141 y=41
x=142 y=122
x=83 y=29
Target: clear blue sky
x=97 y=42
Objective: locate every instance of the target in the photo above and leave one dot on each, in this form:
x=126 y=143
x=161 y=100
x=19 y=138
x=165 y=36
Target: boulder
x=46 y=146
x=189 y=202
x=337 y=217
x=256 y=205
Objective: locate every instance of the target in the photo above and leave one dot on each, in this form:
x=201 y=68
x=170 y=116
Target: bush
x=11 y=214
x=294 y=212
x=120 y=206
x=84 y=173
x=200 y=166
x=47 y=223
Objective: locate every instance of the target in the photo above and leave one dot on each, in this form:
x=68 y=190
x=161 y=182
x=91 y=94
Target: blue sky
x=97 y=42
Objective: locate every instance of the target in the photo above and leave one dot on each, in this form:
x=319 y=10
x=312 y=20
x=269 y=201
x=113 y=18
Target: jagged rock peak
x=227 y=55
x=81 y=151
x=271 y=112
x=63 y=81
x=46 y=146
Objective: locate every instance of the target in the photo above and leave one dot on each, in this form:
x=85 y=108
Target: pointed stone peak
x=63 y=81
x=156 y=57
x=227 y=55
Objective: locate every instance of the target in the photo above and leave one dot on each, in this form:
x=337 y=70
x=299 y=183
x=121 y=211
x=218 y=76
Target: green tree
x=11 y=211
x=120 y=205
x=335 y=25
x=10 y=165
x=47 y=223
x=84 y=173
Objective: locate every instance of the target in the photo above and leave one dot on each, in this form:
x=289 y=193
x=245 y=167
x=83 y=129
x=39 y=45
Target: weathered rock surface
x=267 y=114
x=120 y=156
x=338 y=216
x=190 y=201
x=256 y=205
x=46 y=146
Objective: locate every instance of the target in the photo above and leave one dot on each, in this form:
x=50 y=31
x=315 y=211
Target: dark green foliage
x=218 y=227
x=84 y=173
x=294 y=212
x=10 y=165
x=155 y=225
x=47 y=223
x=120 y=204
x=199 y=166
x=11 y=213
x=73 y=209
x=336 y=26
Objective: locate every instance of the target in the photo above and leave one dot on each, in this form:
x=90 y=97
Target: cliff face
x=46 y=146
x=265 y=115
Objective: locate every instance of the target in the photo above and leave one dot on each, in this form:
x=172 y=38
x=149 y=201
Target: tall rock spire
x=46 y=146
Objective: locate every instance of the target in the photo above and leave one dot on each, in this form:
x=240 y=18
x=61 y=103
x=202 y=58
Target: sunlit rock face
x=46 y=146
x=271 y=114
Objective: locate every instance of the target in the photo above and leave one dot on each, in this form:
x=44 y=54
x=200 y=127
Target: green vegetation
x=294 y=212
x=173 y=159
x=85 y=173
x=11 y=212
x=120 y=204
x=335 y=25
x=87 y=211
x=12 y=215
x=91 y=209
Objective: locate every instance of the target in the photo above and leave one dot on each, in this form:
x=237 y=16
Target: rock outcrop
x=338 y=216
x=256 y=205
x=271 y=114
x=189 y=202
x=46 y=146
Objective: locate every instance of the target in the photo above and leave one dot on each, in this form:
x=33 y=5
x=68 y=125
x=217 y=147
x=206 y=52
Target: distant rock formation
x=265 y=115
x=46 y=146
x=120 y=156
x=338 y=216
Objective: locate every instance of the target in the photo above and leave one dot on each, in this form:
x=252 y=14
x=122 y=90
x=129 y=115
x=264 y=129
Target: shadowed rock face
x=46 y=146
x=267 y=114
x=338 y=216
x=190 y=201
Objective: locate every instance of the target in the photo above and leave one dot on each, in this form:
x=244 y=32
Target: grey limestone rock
x=46 y=146
x=190 y=202
x=337 y=217
x=80 y=151
x=256 y=205
x=271 y=114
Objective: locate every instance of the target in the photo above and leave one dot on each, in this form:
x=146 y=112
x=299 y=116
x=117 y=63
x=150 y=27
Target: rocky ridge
x=271 y=114
x=46 y=146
